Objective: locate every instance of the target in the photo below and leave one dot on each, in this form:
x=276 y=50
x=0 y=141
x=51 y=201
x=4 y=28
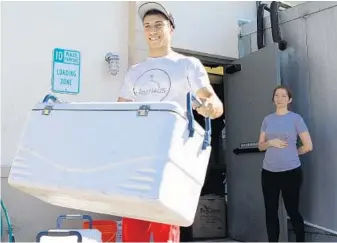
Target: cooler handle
x=73 y=216
x=59 y=234
x=52 y=98
x=191 y=99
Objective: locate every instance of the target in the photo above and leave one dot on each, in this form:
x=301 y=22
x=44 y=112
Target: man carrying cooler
x=164 y=76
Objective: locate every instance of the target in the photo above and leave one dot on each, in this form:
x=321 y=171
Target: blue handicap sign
x=66 y=73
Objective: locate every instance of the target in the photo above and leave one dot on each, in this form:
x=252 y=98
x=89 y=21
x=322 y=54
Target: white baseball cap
x=148 y=6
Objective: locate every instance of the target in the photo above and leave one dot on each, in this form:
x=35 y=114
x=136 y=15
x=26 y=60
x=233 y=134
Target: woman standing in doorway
x=281 y=171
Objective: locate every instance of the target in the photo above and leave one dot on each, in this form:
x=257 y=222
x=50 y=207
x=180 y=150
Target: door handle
x=73 y=216
x=238 y=151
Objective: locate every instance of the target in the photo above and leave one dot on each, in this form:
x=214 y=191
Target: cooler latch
x=49 y=105
x=143 y=110
x=47 y=109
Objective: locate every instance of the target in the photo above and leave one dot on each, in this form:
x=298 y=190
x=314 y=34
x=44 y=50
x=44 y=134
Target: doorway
x=213 y=196
x=246 y=92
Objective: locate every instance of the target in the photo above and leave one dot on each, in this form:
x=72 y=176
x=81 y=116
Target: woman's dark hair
x=290 y=95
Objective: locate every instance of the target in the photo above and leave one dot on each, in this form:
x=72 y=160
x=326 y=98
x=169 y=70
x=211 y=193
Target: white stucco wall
x=210 y=28
x=31 y=30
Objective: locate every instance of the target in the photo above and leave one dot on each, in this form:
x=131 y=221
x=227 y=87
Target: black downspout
x=260 y=25
x=275 y=28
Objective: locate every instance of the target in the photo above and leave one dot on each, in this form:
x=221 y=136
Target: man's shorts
x=134 y=230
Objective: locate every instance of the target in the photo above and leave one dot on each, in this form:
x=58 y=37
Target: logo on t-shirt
x=154 y=84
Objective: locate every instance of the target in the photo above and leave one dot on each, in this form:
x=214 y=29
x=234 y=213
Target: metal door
x=248 y=86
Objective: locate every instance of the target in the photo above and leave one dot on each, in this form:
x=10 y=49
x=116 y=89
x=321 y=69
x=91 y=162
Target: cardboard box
x=210 y=218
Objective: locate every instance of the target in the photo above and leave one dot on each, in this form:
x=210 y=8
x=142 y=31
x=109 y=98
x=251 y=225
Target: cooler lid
x=113 y=106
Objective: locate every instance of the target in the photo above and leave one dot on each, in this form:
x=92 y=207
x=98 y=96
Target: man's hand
x=121 y=99
x=212 y=106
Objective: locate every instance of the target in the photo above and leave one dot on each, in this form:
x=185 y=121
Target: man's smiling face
x=157 y=31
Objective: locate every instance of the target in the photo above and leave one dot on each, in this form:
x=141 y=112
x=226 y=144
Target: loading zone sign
x=66 y=71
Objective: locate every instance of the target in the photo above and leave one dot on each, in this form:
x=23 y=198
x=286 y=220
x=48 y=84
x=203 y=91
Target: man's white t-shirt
x=167 y=78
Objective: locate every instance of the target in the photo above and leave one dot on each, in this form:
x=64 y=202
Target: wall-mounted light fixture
x=113 y=61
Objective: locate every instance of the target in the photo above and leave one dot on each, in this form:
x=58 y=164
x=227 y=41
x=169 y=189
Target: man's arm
x=200 y=84
x=126 y=93
x=213 y=107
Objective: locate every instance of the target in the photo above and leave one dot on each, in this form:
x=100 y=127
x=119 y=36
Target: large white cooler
x=140 y=160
